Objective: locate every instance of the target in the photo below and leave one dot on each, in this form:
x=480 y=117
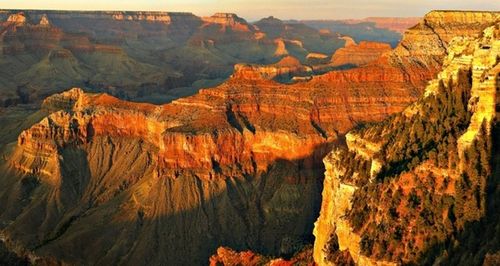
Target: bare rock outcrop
x=286 y=68
x=360 y=54
x=365 y=191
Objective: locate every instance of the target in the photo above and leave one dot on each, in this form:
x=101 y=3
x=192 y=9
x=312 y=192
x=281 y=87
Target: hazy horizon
x=256 y=9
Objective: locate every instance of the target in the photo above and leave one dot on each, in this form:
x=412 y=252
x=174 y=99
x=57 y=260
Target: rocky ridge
x=474 y=58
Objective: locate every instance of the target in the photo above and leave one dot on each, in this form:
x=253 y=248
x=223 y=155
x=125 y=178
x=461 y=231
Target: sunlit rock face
x=471 y=70
x=229 y=19
x=238 y=165
x=227 y=256
x=287 y=68
x=418 y=57
x=358 y=55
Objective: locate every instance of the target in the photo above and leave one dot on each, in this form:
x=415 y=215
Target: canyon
x=95 y=179
x=144 y=56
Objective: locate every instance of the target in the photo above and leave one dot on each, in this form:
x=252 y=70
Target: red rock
x=358 y=55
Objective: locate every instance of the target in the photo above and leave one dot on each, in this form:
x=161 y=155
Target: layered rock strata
x=360 y=54
x=471 y=68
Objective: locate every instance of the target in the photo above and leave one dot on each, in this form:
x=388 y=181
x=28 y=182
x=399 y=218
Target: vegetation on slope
x=420 y=203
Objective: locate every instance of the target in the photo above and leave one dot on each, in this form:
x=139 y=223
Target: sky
x=256 y=9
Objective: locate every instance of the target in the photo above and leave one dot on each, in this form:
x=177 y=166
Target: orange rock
x=358 y=55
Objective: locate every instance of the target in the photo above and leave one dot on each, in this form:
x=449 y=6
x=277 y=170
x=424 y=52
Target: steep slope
x=402 y=190
x=39 y=59
x=418 y=57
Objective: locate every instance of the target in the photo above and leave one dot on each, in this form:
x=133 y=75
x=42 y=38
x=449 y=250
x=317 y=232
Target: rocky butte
x=359 y=54
x=99 y=180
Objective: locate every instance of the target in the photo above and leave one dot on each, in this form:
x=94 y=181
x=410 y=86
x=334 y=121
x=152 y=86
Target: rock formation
x=246 y=156
x=358 y=55
x=418 y=57
x=227 y=150
x=229 y=19
x=385 y=198
x=286 y=68
x=19 y=18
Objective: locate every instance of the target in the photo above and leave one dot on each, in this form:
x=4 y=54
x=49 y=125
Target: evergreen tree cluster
x=416 y=225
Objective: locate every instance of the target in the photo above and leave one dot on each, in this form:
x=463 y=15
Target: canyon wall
x=231 y=162
x=376 y=182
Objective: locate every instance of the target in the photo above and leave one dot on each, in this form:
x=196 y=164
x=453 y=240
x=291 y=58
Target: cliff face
x=418 y=57
x=396 y=194
x=237 y=165
x=244 y=157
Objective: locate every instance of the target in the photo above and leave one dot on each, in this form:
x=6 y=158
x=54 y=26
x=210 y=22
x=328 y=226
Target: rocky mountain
x=94 y=179
x=407 y=190
x=145 y=56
